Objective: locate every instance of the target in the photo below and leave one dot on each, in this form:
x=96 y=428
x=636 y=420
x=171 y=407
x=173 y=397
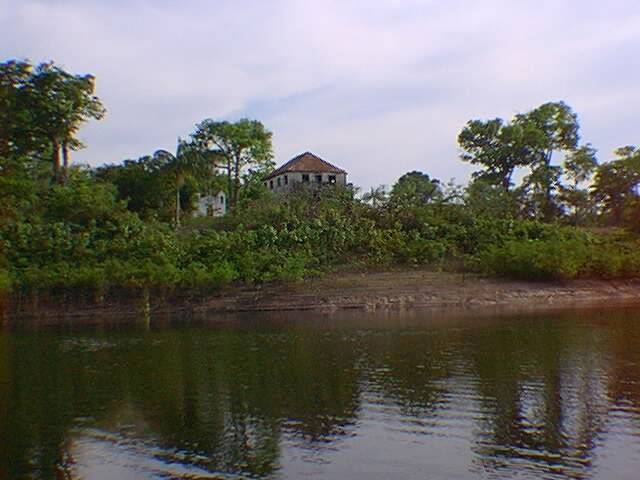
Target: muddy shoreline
x=371 y=292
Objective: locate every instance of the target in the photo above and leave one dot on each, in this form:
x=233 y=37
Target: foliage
x=43 y=108
x=109 y=231
x=550 y=259
x=617 y=184
x=500 y=148
x=415 y=188
x=234 y=147
x=532 y=140
x=188 y=162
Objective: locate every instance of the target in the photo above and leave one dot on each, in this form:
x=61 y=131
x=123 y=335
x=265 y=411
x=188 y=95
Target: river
x=310 y=396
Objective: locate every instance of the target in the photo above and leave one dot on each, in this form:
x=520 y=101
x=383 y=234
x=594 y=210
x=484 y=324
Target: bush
x=539 y=260
x=6 y=284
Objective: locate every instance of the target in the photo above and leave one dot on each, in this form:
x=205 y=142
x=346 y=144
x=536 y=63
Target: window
x=221 y=199
x=318 y=178
x=332 y=179
x=305 y=177
x=286 y=180
x=271 y=184
x=278 y=181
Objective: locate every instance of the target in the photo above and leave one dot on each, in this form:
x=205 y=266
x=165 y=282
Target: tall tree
x=498 y=147
x=531 y=140
x=141 y=183
x=14 y=137
x=553 y=127
x=47 y=106
x=234 y=147
x=616 y=186
x=188 y=161
x=579 y=166
x=375 y=196
x=415 y=188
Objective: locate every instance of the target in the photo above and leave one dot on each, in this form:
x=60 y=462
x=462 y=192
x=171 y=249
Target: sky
x=377 y=87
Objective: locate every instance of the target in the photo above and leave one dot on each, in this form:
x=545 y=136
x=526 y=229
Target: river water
x=306 y=396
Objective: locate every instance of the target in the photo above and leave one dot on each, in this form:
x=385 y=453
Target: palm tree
x=376 y=196
x=187 y=162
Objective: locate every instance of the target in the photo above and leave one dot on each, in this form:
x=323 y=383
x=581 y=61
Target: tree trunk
x=65 y=155
x=55 y=158
x=65 y=161
x=229 y=183
x=236 y=182
x=177 y=205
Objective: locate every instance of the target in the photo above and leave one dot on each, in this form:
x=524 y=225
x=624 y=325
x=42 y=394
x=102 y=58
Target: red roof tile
x=306 y=162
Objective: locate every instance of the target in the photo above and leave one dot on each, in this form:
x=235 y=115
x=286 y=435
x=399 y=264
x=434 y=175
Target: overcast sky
x=377 y=87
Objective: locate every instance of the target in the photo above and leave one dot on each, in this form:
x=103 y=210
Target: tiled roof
x=306 y=162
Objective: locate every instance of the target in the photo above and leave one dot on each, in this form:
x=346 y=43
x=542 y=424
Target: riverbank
x=416 y=289
x=371 y=291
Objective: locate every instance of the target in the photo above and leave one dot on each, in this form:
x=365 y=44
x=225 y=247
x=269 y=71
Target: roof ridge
x=290 y=165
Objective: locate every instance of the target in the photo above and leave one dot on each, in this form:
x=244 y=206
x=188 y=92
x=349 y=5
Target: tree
x=499 y=147
x=415 y=188
x=375 y=196
x=616 y=186
x=234 y=147
x=531 y=140
x=13 y=136
x=579 y=166
x=188 y=161
x=486 y=199
x=46 y=106
x=552 y=127
x=141 y=183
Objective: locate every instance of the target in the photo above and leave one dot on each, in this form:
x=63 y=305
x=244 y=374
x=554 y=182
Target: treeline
x=88 y=233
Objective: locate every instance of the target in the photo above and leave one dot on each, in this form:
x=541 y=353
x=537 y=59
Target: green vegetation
x=80 y=233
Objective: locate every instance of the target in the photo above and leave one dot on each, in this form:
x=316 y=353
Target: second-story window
x=305 y=177
x=318 y=178
x=286 y=180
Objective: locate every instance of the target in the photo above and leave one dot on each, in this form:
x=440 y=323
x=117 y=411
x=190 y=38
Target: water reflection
x=286 y=397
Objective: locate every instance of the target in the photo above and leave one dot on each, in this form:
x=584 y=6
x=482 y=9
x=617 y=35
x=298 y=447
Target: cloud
x=379 y=88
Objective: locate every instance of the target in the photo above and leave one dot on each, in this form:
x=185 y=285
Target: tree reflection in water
x=530 y=396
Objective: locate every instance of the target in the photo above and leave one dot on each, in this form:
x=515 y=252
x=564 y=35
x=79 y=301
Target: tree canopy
x=188 y=161
x=498 y=147
x=235 y=147
x=416 y=188
x=530 y=141
x=110 y=228
x=617 y=183
x=43 y=108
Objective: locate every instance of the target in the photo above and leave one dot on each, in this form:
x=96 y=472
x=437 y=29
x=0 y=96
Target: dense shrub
x=103 y=248
x=536 y=259
x=6 y=284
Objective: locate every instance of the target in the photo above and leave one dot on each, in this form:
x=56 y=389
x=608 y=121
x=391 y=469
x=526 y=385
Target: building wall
x=211 y=205
x=286 y=182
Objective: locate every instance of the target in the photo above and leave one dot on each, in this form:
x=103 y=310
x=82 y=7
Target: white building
x=211 y=205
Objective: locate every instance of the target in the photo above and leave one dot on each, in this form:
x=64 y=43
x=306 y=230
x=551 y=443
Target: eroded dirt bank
x=421 y=289
x=377 y=291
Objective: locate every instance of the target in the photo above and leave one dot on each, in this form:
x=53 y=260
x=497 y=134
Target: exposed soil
x=379 y=291
x=421 y=289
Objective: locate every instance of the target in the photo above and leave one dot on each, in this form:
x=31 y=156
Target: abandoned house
x=305 y=169
x=211 y=205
